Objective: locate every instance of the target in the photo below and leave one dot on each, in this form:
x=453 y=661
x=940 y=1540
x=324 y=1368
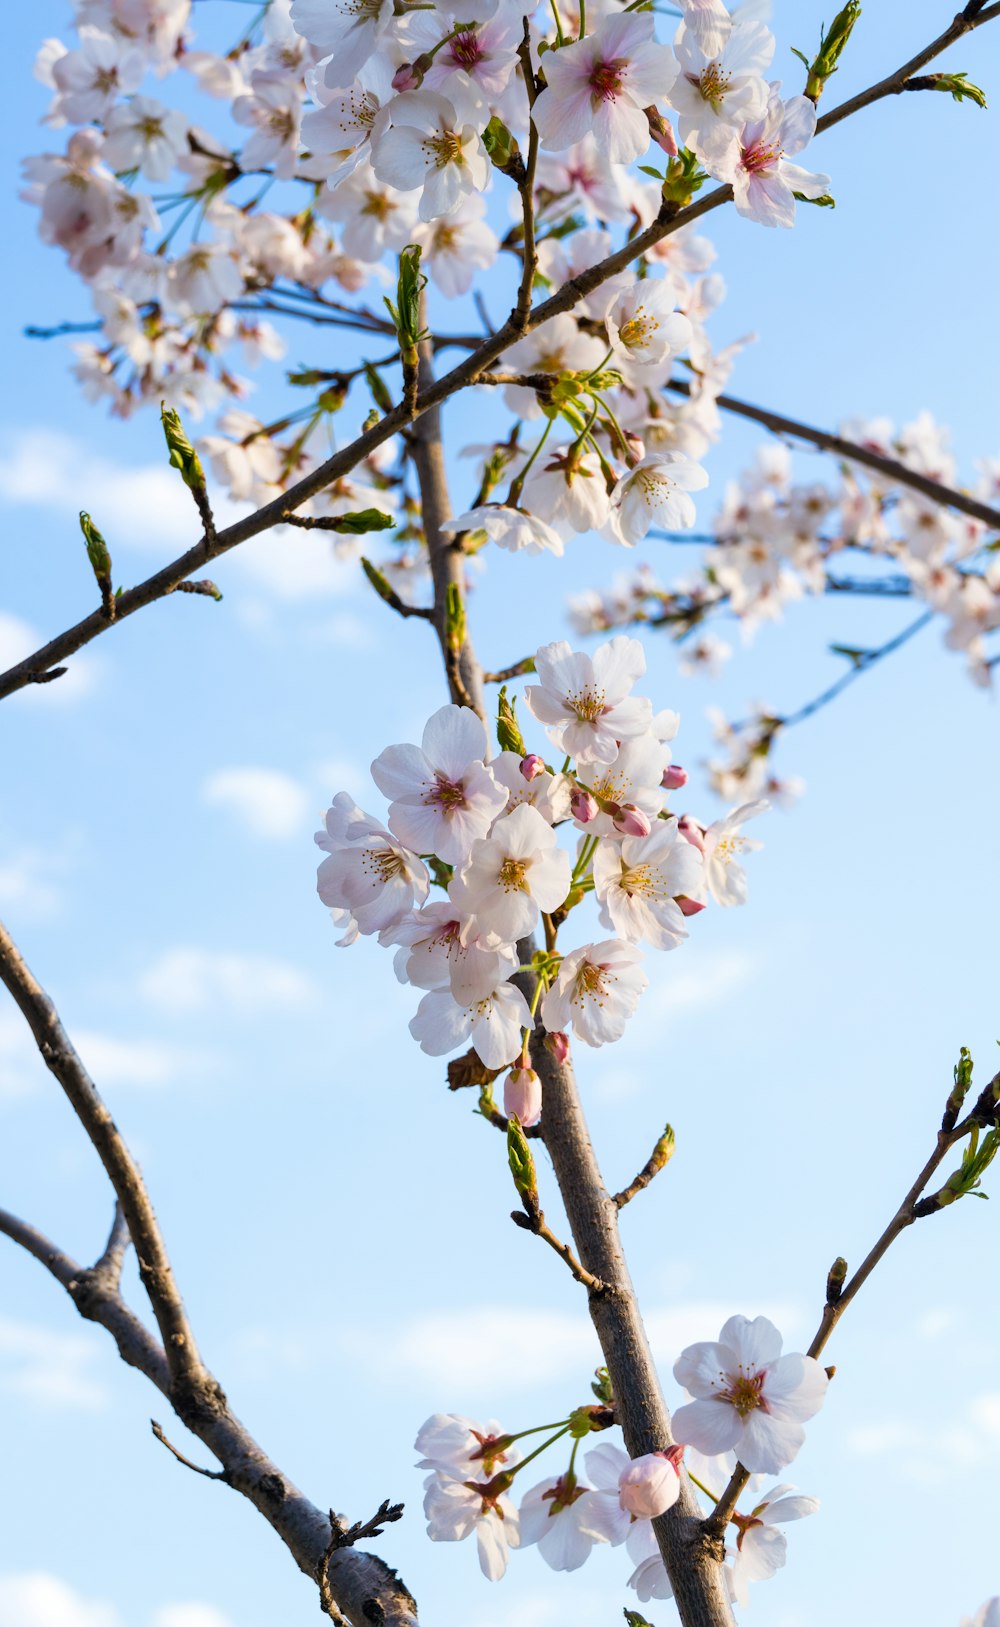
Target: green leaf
x=825 y=201
x=365 y=519
x=959 y=86
x=97 y=549
x=648 y=169
x=508 y=729
x=182 y=454
x=857 y=657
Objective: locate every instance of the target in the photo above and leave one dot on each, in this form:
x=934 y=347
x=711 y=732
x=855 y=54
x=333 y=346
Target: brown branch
x=536 y=1223
x=365 y=1587
x=520 y=315
x=525 y=665
x=853 y=452
x=658 y=1159
x=840 y=1296
x=210 y=1474
x=109 y=1266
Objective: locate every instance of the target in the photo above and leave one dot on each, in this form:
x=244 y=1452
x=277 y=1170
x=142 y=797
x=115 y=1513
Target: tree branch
x=366 y=1590
x=853 y=452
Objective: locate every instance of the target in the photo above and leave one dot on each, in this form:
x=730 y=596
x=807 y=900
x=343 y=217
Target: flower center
x=761 y=156
x=638 y=330
x=377 y=204
x=744 y=1393
x=466 y=50
x=592 y=983
x=513 y=876
x=607 y=80
x=714 y=84
x=588 y=704
x=446 y=794
x=444 y=148
x=382 y=863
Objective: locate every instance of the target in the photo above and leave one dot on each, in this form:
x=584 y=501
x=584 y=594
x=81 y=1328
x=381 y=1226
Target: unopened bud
x=558 y=1044
x=522 y=1095
x=650 y=1485
x=407 y=77
x=532 y=766
x=688 y=906
x=630 y=820
x=674 y=777
x=661 y=132
x=692 y=832
x=583 y=806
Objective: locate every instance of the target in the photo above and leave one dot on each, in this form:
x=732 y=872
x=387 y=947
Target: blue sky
x=337 y=1219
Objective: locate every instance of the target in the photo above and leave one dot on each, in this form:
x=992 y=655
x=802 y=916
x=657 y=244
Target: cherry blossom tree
x=351 y=146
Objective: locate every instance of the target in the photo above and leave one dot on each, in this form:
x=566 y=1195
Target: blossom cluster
x=749 y=1403
x=487 y=831
x=385 y=126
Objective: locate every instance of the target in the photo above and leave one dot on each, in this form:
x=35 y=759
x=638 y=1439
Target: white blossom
x=596 y=992
x=442 y=794
x=584 y=701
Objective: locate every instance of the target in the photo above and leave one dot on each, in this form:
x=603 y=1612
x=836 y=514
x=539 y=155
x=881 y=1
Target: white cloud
x=704 y=986
x=500 y=1343
x=38 y=1599
x=145 y=508
x=197 y=979
x=340 y=774
x=961 y=1443
x=294 y=565
x=27 y=883
x=35 y=1599
x=19 y=639
x=111 y=1060
x=50 y=1369
x=264 y=801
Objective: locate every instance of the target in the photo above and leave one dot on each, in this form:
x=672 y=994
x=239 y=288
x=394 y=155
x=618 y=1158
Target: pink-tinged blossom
x=584 y=808
x=522 y=1097
x=549 y=793
x=569 y=487
x=433 y=955
x=339 y=131
x=366 y=871
x=655 y=492
x=512 y=875
x=145 y=135
x=457 y=246
x=602 y=84
x=442 y=795
x=756 y=165
x=585 y=701
x=716 y=95
x=532 y=765
x=726 y=878
x=478 y=61
x=494 y=1024
x=596 y=992
x=565 y=1519
x=644 y=327
x=376 y=218
x=639 y=880
x=454 y=1510
x=463 y=1447
x=633 y=780
x=272 y=110
x=431 y=146
x=90 y=79
x=761 y=1549
x=509 y=528
x=749 y=1398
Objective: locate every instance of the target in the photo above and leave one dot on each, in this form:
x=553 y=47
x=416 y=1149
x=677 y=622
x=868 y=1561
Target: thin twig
x=526 y=186
x=210 y=1474
x=525 y=665
x=109 y=1266
x=657 y=1160
x=835 y=1307
x=539 y=1226
x=853 y=452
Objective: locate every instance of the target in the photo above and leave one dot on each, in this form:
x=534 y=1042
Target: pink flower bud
x=630 y=820
x=692 y=832
x=688 y=906
x=532 y=766
x=583 y=806
x=661 y=132
x=558 y=1044
x=408 y=77
x=522 y=1095
x=674 y=777
x=650 y=1485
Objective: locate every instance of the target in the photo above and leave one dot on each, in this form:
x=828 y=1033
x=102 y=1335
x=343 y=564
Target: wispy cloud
x=49 y=1369
x=189 y=979
x=39 y=1599
x=112 y=1060
x=264 y=801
